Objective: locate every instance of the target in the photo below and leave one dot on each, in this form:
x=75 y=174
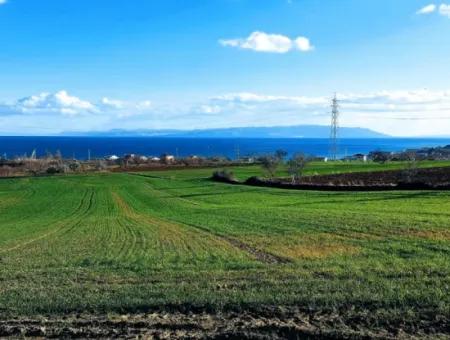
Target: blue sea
x=79 y=147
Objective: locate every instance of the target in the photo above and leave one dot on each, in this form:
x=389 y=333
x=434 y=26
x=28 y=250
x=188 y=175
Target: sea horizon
x=99 y=146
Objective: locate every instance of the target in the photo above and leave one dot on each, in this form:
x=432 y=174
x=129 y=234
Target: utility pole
x=89 y=155
x=238 y=153
x=334 y=128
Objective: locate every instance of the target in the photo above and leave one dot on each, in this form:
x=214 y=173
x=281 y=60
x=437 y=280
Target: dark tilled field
x=431 y=176
x=267 y=324
x=412 y=179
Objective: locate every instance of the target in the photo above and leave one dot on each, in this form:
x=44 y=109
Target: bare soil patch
x=267 y=324
x=420 y=179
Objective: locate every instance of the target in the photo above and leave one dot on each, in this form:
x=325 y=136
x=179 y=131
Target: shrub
x=224 y=176
x=53 y=170
x=74 y=166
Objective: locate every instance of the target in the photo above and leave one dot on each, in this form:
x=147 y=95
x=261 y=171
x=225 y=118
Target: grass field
x=125 y=243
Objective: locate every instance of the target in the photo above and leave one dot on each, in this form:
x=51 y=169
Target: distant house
x=129 y=156
x=357 y=157
x=318 y=159
x=168 y=158
x=155 y=159
x=248 y=160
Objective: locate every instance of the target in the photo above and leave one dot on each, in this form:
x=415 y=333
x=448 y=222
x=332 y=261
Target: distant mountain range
x=299 y=131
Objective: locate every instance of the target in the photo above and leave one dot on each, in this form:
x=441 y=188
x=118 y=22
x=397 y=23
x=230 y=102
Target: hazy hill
x=299 y=131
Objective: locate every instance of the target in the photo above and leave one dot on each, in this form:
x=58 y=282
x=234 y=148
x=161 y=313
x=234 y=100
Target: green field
x=125 y=243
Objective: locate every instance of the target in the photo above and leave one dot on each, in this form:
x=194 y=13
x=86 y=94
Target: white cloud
x=2 y=2
x=59 y=102
x=392 y=112
x=64 y=104
x=419 y=112
x=303 y=44
x=272 y=43
x=124 y=109
x=144 y=105
x=427 y=9
x=444 y=9
x=112 y=103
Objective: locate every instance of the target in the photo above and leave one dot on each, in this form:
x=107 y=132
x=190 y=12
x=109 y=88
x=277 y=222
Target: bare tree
x=280 y=154
x=270 y=164
x=411 y=167
x=100 y=165
x=36 y=167
x=74 y=166
x=296 y=166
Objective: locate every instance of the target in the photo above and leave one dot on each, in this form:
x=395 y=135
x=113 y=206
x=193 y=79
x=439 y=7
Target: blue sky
x=97 y=65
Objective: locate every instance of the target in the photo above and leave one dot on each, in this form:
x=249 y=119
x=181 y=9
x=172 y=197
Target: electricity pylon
x=334 y=135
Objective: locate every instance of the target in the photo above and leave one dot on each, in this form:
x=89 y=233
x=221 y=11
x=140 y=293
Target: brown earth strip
x=230 y=325
x=423 y=179
x=259 y=254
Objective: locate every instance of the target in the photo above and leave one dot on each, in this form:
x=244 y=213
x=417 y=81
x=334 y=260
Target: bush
x=53 y=170
x=224 y=176
x=74 y=166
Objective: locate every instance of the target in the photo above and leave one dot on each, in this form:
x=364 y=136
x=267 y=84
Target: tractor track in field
x=69 y=222
x=226 y=325
x=259 y=254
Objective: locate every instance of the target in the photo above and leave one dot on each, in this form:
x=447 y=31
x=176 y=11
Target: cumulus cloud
x=124 y=109
x=444 y=9
x=418 y=103
x=59 y=102
x=270 y=43
x=112 y=103
x=303 y=44
x=393 y=112
x=419 y=112
x=427 y=9
x=62 y=103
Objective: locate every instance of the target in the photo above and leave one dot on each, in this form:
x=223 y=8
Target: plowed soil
x=268 y=324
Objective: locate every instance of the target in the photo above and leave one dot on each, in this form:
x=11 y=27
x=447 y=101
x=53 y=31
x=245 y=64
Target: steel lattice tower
x=334 y=135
